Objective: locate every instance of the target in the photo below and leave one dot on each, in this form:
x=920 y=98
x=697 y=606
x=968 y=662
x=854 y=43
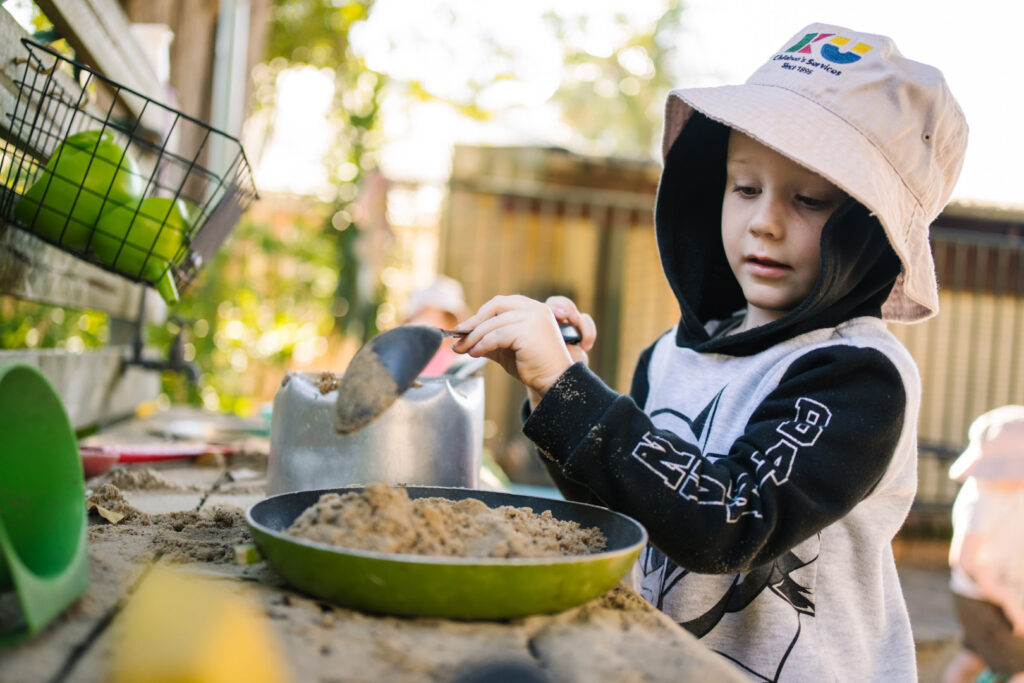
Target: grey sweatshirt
x=772 y=467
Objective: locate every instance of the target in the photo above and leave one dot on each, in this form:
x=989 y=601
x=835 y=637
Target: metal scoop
x=384 y=367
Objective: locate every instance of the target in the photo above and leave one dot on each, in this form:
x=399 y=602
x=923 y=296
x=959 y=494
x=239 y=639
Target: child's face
x=772 y=215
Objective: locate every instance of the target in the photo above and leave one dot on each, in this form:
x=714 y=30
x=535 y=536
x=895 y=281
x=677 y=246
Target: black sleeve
x=570 y=489
x=641 y=385
x=813 y=449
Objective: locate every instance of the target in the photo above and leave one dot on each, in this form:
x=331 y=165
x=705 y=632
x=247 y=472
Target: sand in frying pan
x=383 y=518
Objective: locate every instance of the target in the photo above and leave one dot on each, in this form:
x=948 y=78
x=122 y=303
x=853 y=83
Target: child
x=441 y=304
x=986 y=554
x=768 y=442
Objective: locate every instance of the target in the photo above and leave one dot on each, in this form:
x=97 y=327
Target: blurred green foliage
x=263 y=303
x=613 y=101
x=29 y=325
x=283 y=287
x=316 y=33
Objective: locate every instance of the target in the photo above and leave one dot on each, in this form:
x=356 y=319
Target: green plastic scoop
x=43 y=547
x=452 y=587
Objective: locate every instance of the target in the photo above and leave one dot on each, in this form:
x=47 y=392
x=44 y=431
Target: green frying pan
x=452 y=587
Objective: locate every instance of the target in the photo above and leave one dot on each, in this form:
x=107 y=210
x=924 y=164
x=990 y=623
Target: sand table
x=142 y=479
x=615 y=638
x=183 y=536
x=383 y=518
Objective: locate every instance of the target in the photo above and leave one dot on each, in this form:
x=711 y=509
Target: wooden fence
x=971 y=356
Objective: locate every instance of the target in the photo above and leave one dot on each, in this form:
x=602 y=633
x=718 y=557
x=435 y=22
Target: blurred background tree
x=315 y=33
x=283 y=286
x=612 y=96
x=261 y=306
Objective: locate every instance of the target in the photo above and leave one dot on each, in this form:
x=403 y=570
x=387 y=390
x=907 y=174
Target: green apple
x=87 y=174
x=143 y=240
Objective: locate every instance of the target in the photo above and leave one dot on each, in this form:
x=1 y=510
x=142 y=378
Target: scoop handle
x=570 y=335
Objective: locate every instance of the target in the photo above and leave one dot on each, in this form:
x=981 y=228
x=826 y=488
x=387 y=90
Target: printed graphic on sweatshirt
x=778 y=582
x=679 y=463
x=706 y=601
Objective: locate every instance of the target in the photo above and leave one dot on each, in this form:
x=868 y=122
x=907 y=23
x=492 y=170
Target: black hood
x=858 y=265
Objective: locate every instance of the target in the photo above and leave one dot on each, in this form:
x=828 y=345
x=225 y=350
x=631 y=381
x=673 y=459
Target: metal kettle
x=431 y=436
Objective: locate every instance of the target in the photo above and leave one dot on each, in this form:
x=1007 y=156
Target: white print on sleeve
x=679 y=465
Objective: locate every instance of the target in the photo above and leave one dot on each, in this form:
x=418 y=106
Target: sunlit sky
x=722 y=41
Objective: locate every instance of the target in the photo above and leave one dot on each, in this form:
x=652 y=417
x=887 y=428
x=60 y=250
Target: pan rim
x=446 y=560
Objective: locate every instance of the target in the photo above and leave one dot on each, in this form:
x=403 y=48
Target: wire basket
x=116 y=178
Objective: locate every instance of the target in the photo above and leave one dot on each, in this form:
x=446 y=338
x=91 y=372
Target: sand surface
x=365 y=390
x=383 y=518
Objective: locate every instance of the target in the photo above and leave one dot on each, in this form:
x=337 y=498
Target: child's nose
x=767 y=221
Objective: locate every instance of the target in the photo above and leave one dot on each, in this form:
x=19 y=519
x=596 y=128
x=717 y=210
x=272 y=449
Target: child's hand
x=565 y=311
x=522 y=335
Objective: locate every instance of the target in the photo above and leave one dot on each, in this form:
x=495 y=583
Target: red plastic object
x=97 y=463
x=154 y=452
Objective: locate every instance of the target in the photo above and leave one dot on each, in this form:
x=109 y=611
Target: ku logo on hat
x=831 y=49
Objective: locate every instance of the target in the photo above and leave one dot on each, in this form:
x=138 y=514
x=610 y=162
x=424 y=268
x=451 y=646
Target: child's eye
x=746 y=190
x=811 y=202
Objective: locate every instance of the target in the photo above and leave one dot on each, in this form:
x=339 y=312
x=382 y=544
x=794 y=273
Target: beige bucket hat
x=850 y=107
x=444 y=293
x=995 y=448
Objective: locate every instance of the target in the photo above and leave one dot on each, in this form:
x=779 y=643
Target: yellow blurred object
x=146 y=409
x=180 y=628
